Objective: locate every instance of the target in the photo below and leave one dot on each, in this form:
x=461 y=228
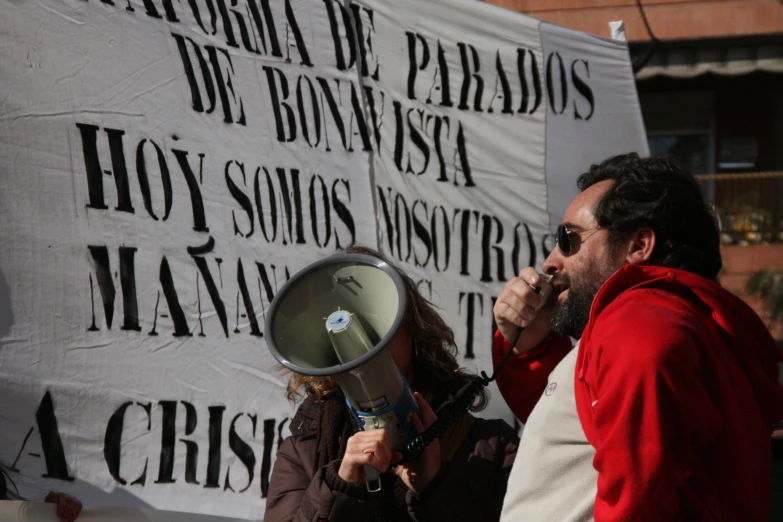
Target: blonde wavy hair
x=436 y=373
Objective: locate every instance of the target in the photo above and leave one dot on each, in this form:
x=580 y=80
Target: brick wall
x=670 y=19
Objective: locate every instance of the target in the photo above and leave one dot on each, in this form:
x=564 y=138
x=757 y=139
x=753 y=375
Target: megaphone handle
x=372 y=478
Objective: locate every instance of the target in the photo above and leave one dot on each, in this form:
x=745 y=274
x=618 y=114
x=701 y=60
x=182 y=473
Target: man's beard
x=571 y=318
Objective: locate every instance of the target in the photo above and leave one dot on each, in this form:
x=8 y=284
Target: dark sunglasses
x=568 y=240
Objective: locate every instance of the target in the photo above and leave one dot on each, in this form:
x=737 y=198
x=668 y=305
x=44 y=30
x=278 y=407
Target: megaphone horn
x=336 y=318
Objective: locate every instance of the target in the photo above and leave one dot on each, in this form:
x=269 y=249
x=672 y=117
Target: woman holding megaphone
x=320 y=469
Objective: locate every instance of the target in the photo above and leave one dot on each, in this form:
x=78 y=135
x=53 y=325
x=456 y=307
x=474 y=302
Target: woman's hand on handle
x=365 y=448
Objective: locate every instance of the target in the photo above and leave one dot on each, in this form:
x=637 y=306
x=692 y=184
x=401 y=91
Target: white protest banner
x=593 y=109
x=165 y=166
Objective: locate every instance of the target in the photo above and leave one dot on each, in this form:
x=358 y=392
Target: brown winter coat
x=470 y=486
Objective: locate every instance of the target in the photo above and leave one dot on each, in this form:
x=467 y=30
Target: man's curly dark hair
x=657 y=193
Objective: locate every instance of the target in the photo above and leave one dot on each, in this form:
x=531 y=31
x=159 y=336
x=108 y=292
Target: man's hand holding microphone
x=520 y=305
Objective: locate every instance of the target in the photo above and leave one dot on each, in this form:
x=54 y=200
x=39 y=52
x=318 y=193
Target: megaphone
x=336 y=318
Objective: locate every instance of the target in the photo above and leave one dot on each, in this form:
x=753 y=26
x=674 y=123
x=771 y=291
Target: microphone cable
x=452 y=410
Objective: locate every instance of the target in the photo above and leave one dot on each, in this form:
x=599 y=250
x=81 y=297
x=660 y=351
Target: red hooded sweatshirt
x=677 y=390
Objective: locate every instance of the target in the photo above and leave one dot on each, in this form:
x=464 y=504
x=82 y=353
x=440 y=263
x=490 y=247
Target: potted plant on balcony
x=768 y=286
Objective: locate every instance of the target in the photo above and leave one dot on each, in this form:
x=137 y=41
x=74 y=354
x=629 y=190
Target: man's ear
x=641 y=247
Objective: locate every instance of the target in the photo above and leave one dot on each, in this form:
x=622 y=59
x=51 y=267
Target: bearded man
x=664 y=409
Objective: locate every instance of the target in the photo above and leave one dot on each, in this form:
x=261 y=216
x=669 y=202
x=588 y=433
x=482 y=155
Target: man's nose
x=554 y=262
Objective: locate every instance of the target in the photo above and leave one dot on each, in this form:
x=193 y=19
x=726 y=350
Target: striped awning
x=685 y=61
